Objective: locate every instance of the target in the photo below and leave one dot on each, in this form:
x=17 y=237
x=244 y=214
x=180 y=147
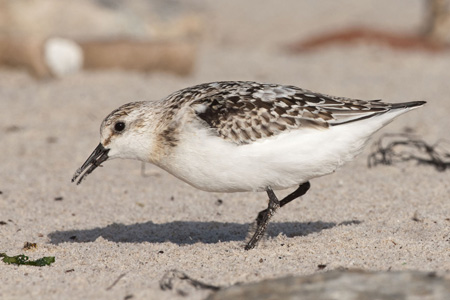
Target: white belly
x=212 y=164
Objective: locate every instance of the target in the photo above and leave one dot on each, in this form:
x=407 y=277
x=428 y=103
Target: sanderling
x=239 y=136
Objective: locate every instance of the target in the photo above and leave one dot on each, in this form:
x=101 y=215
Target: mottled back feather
x=243 y=112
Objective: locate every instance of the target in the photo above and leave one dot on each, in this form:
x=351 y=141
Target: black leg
x=302 y=189
x=274 y=204
x=262 y=220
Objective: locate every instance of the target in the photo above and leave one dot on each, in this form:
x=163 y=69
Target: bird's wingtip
x=411 y=104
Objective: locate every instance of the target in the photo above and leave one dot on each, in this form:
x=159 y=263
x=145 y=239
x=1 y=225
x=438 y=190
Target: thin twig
x=116 y=281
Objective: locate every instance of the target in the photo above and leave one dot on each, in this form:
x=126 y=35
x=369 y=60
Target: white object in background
x=62 y=56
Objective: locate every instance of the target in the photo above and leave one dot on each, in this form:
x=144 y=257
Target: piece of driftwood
x=43 y=61
x=26 y=53
x=343 y=284
x=392 y=149
x=171 y=56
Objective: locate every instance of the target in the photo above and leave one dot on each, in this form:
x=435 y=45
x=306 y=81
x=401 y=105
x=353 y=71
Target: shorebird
x=237 y=136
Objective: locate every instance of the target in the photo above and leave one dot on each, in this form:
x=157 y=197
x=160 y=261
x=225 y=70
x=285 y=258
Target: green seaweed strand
x=24 y=260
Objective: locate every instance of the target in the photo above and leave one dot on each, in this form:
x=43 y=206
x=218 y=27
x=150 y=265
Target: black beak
x=99 y=155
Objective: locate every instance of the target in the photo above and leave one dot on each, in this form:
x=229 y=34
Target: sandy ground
x=119 y=223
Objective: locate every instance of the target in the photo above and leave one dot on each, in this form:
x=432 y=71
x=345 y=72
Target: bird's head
x=127 y=132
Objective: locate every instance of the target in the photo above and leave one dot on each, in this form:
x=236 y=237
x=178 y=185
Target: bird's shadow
x=186 y=232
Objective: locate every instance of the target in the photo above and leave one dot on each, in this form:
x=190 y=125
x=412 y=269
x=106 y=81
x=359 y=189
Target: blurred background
x=51 y=38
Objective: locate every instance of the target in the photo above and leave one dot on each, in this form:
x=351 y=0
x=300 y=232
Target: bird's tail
x=412 y=104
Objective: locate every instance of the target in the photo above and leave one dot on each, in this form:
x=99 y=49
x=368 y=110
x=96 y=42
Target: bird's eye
x=119 y=126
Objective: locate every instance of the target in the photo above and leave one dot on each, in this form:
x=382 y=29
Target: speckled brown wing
x=243 y=112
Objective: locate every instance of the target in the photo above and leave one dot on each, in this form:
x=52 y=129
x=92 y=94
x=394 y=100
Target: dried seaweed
x=393 y=148
x=174 y=279
x=23 y=260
